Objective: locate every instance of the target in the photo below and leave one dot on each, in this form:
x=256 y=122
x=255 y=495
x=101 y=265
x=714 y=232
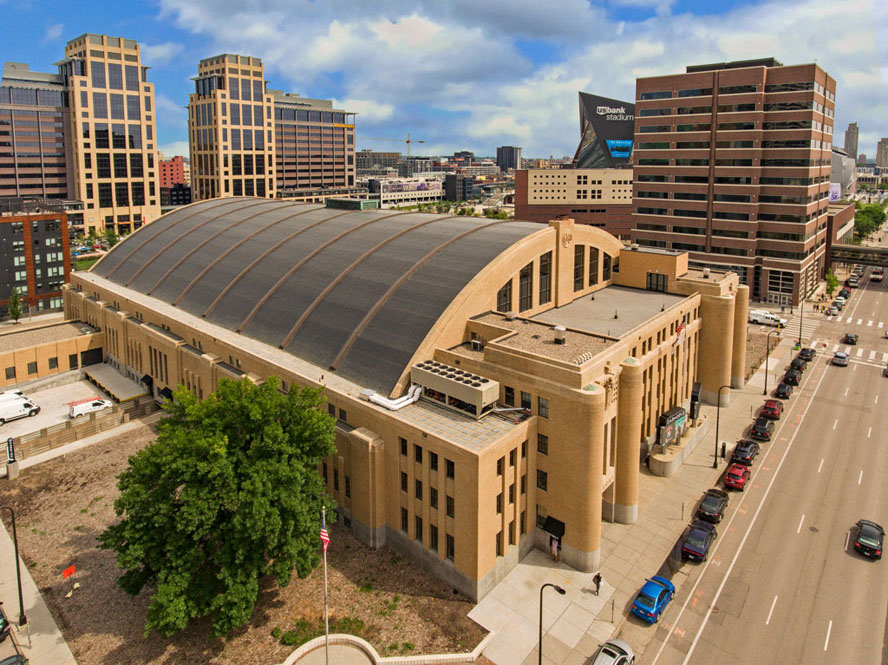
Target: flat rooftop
x=612 y=311
x=463 y=431
x=22 y=339
x=537 y=337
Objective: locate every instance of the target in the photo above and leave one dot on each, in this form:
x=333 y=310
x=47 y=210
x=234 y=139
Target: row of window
x=52 y=363
x=450 y=543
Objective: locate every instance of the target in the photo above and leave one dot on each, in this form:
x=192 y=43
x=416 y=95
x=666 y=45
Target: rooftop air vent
x=705 y=273
x=559 y=334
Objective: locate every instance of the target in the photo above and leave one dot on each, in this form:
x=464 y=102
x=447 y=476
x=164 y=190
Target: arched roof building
x=495 y=383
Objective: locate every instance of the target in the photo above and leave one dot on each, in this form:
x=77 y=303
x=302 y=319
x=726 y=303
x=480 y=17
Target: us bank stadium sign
x=614 y=113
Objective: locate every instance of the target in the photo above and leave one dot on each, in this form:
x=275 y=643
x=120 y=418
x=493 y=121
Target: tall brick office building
x=732 y=164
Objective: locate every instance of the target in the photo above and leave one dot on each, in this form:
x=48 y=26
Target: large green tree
x=228 y=494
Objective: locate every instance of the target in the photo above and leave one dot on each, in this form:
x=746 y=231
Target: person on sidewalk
x=597 y=581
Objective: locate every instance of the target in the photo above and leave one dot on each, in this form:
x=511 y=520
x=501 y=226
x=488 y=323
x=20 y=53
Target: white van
x=91 y=405
x=12 y=395
x=12 y=409
x=765 y=317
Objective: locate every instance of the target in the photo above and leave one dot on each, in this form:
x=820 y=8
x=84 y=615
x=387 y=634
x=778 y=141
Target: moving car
x=712 y=507
x=850 y=338
x=745 y=452
x=653 y=598
x=807 y=354
x=614 y=652
x=869 y=539
x=840 y=358
x=772 y=409
x=736 y=477
x=784 y=390
x=792 y=377
x=799 y=364
x=696 y=540
x=762 y=429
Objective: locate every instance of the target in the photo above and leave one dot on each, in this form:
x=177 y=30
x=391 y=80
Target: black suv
x=807 y=354
x=712 y=507
x=850 y=338
x=762 y=429
x=792 y=377
x=799 y=364
x=784 y=390
x=745 y=452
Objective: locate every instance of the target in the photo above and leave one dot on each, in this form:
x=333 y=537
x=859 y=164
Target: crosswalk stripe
x=872 y=355
x=859 y=321
x=869 y=324
x=885 y=357
x=859 y=352
x=835 y=348
x=881 y=324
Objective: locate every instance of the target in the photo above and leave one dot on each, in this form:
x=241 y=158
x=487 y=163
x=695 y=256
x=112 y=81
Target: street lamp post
x=718 y=410
x=801 y=318
x=559 y=590
x=768 y=356
x=18 y=573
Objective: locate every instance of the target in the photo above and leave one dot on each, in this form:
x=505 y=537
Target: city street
x=784 y=583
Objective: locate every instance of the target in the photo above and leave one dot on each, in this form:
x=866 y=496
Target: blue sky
x=465 y=74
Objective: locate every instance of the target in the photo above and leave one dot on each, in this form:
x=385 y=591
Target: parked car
x=767 y=318
x=840 y=358
x=696 y=540
x=745 y=452
x=838 y=304
x=784 y=390
x=799 y=364
x=850 y=338
x=845 y=293
x=614 y=652
x=762 y=429
x=87 y=406
x=653 y=598
x=869 y=539
x=772 y=409
x=13 y=409
x=807 y=354
x=736 y=477
x=841 y=300
x=712 y=507
x=878 y=270
x=833 y=311
x=792 y=377
x=16 y=659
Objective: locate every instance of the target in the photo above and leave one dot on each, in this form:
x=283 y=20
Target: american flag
x=325 y=537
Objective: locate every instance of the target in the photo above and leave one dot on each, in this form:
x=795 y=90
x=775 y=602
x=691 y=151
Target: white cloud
x=170 y=150
x=53 y=32
x=460 y=74
x=155 y=55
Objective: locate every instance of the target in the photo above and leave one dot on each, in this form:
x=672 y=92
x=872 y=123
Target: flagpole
x=326 y=612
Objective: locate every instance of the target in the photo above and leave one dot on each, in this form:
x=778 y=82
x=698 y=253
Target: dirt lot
x=63 y=505
x=755 y=351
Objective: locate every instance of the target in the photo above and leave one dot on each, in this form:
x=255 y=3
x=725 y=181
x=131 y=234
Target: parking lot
x=53 y=403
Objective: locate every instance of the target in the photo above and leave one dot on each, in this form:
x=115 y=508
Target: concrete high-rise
x=508 y=157
x=882 y=153
x=732 y=164
x=246 y=140
x=851 y=136
x=112 y=132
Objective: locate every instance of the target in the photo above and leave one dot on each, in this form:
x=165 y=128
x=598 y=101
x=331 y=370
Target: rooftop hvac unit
x=705 y=273
x=510 y=316
x=455 y=389
x=477 y=345
x=559 y=334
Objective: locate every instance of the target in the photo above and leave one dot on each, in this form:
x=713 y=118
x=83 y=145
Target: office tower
x=249 y=141
x=112 y=131
x=33 y=120
x=732 y=164
x=851 y=135
x=882 y=153
x=172 y=171
x=508 y=157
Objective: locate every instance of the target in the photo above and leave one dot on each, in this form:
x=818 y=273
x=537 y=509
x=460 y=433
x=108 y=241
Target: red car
x=772 y=409
x=736 y=476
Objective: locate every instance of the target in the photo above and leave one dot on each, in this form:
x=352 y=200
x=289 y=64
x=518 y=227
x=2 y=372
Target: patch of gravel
x=63 y=505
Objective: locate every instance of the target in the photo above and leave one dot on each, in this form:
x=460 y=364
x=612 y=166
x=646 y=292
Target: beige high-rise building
x=882 y=153
x=230 y=129
x=112 y=131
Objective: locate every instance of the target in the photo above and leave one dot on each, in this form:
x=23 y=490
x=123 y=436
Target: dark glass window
x=451 y=470
x=504 y=298
x=579 y=267
x=433 y=461
x=606 y=267
x=115 y=76
x=97 y=74
x=545 y=294
x=525 y=288
x=542 y=480
x=117 y=107
x=403 y=443
x=593 y=266
x=542 y=444
x=100 y=105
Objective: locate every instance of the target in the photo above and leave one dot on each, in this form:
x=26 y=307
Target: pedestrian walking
x=597 y=581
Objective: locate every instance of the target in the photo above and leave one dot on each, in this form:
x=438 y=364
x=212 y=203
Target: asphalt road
x=785 y=584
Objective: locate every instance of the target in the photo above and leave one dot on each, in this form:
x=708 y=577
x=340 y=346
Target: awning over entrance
x=148 y=380
x=166 y=393
x=554 y=527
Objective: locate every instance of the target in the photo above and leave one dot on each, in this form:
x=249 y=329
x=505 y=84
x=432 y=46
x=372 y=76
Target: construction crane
x=409 y=141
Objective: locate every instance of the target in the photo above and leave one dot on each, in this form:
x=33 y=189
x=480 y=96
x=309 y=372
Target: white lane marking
x=835 y=424
x=859 y=321
x=869 y=324
x=847 y=536
x=801 y=521
x=885 y=357
x=881 y=324
x=877 y=399
x=869 y=433
x=846 y=392
x=872 y=355
x=835 y=348
x=828 y=631
x=768 y=620
x=860 y=477
x=736 y=556
x=821 y=465
x=859 y=353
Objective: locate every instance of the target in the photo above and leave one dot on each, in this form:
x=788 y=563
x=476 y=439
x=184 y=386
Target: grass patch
x=304 y=631
x=83 y=264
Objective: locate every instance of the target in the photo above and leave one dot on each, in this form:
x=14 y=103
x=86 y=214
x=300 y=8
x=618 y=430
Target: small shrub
x=276 y=633
x=366 y=588
x=407 y=646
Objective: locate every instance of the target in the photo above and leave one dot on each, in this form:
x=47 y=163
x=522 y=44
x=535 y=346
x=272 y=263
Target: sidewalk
x=576 y=623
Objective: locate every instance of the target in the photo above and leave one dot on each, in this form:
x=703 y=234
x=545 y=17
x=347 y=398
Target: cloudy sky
x=463 y=74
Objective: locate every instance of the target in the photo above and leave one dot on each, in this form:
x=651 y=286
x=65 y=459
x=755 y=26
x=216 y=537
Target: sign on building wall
x=835 y=191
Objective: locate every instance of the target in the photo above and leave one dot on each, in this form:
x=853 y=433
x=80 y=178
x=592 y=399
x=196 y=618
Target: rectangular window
x=100 y=105
x=418 y=489
x=523 y=524
x=504 y=298
x=32 y=368
x=404 y=520
x=433 y=497
x=523 y=483
x=348 y=487
x=512 y=493
x=403 y=481
x=451 y=510
x=593 y=266
x=542 y=480
x=512 y=532
x=499 y=503
x=542 y=444
x=115 y=76
x=545 y=294
x=403 y=443
x=433 y=538
x=606 y=267
x=543 y=407
x=499 y=544
x=512 y=456
x=657 y=282
x=97 y=74
x=499 y=466
x=451 y=548
x=417 y=454
x=525 y=288
x=417 y=528
x=451 y=471
x=72 y=363
x=10 y=373
x=525 y=400
x=336 y=479
x=579 y=267
x=509 y=396
x=433 y=461
x=53 y=363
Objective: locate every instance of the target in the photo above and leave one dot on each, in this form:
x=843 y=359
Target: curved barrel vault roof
x=355 y=292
